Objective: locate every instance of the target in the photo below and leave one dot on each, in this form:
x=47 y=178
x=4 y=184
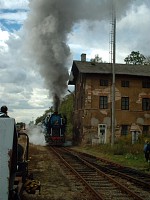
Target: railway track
x=133 y=175
x=104 y=180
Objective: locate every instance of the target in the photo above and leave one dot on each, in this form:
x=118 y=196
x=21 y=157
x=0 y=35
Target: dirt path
x=55 y=184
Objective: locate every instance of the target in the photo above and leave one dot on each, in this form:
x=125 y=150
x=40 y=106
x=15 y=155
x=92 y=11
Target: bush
x=119 y=149
x=125 y=140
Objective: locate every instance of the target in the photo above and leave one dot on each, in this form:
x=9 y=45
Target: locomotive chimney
x=83 y=57
x=56 y=102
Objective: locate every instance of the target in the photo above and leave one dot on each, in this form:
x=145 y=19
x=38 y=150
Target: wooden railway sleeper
x=122 y=187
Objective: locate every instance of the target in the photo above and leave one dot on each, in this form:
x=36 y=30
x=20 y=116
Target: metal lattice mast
x=113 y=61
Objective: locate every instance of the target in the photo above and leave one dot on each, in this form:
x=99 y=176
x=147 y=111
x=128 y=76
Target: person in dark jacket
x=3 y=111
x=147 y=150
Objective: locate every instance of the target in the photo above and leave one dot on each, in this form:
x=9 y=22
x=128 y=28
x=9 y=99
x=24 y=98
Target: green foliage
x=119 y=149
x=124 y=146
x=125 y=140
x=147 y=61
x=66 y=109
x=41 y=118
x=97 y=59
x=130 y=155
x=135 y=58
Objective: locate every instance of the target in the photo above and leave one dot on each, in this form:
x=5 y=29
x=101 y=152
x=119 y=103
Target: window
x=125 y=103
x=103 y=82
x=145 y=129
x=124 y=129
x=146 y=84
x=146 y=104
x=103 y=102
x=124 y=83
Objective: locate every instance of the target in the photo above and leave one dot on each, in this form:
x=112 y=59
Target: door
x=102 y=133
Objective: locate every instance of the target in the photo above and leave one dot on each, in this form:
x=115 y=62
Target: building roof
x=89 y=67
x=106 y=68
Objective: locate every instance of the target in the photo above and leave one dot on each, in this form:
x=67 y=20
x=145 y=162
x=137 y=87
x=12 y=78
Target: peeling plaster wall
x=93 y=115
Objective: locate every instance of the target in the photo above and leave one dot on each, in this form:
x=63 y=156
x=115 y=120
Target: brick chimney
x=83 y=57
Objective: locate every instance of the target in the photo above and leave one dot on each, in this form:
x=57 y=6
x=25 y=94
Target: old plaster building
x=93 y=100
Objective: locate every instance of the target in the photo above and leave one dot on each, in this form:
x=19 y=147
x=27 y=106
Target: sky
x=39 y=39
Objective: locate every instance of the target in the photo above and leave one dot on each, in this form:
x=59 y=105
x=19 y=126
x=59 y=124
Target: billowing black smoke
x=47 y=28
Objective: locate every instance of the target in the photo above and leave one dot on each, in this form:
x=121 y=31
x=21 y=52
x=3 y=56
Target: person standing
x=3 y=111
x=147 y=150
x=20 y=149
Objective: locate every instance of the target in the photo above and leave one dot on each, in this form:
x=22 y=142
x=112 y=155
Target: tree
x=66 y=109
x=97 y=59
x=135 y=58
x=41 y=118
x=147 y=61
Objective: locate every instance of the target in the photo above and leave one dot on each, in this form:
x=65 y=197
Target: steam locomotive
x=55 y=130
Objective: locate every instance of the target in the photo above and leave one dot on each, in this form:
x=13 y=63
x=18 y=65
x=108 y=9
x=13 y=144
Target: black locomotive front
x=56 y=130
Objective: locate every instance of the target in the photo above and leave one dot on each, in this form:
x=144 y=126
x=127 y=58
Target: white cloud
x=17 y=17
x=4 y=36
x=38 y=97
x=133 y=32
x=23 y=89
x=26 y=115
x=20 y=86
x=14 y=4
x=91 y=38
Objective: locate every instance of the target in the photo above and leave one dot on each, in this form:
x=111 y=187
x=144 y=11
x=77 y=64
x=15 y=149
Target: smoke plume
x=36 y=135
x=47 y=27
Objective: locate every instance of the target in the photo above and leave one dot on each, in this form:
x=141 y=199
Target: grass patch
x=130 y=155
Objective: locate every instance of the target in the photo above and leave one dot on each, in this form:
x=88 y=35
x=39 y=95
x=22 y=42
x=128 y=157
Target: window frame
x=124 y=103
x=125 y=83
x=124 y=130
x=103 y=82
x=103 y=102
x=146 y=129
x=145 y=104
x=145 y=84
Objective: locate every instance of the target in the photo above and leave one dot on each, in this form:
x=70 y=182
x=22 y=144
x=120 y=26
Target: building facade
x=93 y=100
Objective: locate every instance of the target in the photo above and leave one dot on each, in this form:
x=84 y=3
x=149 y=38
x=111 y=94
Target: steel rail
x=122 y=187
x=98 y=196
x=123 y=175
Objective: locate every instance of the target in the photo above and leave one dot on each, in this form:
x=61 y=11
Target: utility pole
x=113 y=71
